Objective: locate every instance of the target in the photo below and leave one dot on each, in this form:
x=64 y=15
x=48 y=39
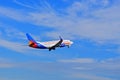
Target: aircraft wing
x=56 y=45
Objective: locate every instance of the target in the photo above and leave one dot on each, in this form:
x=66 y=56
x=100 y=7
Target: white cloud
x=110 y=64
x=75 y=9
x=16 y=40
x=78 y=60
x=23 y=4
x=19 y=47
x=13 y=46
x=89 y=77
x=72 y=69
x=6 y=63
x=97 y=25
x=103 y=26
x=12 y=34
x=110 y=67
x=88 y=69
x=13 y=13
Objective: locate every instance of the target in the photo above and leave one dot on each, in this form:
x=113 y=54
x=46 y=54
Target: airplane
x=50 y=45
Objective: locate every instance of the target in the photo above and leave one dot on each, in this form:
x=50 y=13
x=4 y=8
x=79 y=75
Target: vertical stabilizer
x=30 y=38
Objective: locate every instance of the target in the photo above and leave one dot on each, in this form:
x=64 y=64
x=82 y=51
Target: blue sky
x=93 y=26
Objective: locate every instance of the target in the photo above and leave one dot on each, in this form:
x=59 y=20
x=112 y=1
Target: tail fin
x=30 y=38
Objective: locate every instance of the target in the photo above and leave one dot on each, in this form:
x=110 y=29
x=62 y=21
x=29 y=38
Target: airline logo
x=32 y=44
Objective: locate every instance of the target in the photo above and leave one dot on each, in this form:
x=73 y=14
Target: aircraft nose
x=71 y=42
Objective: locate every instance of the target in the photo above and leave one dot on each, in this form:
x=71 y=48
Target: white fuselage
x=52 y=43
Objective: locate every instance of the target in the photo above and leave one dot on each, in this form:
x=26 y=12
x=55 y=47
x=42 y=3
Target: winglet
x=60 y=38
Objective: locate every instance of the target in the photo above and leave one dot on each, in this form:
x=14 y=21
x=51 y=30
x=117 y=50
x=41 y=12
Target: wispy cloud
x=77 y=68
x=15 y=40
x=13 y=46
x=8 y=37
x=24 y=4
x=90 y=77
x=81 y=19
x=97 y=25
x=13 y=14
x=71 y=69
x=5 y=63
x=78 y=60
